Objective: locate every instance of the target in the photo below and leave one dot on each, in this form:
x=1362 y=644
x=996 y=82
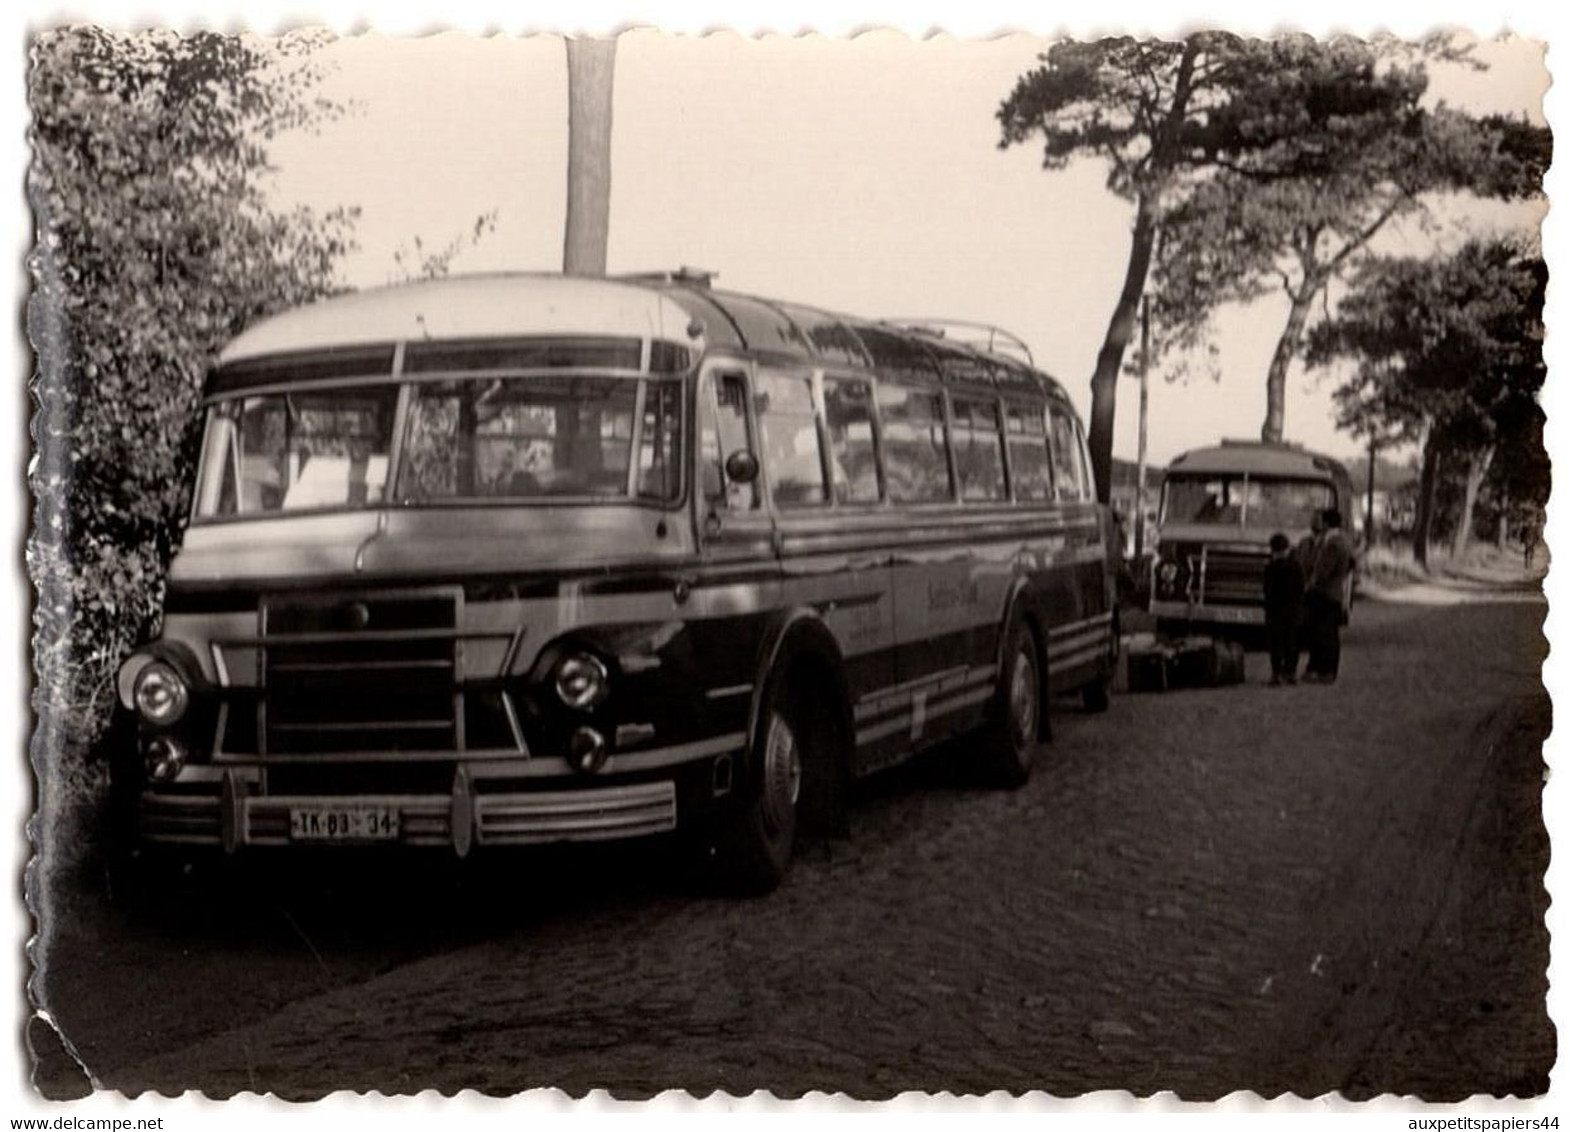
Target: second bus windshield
x=1251 y=501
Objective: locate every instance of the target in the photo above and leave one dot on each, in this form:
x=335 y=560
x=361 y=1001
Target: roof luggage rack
x=692 y=276
x=981 y=336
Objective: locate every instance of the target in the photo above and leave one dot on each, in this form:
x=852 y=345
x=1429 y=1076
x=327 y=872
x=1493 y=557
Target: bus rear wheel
x=1019 y=717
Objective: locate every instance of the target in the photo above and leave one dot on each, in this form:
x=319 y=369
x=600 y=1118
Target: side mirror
x=741 y=466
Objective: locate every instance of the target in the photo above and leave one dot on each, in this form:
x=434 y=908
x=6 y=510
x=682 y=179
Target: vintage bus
x=512 y=559
x=1219 y=507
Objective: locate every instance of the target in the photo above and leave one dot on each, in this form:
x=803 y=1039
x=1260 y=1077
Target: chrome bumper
x=459 y=820
x=1213 y=614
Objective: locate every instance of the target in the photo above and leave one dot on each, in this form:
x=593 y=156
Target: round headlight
x=165 y=757
x=160 y=694
x=581 y=681
x=1168 y=572
x=586 y=750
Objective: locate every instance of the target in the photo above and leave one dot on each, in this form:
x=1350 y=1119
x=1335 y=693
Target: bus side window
x=1087 y=478
x=915 y=444
x=1066 y=464
x=1028 y=454
x=792 y=450
x=848 y=409
x=723 y=430
x=978 y=451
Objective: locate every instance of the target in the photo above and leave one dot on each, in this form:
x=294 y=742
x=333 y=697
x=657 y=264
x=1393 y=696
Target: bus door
x=737 y=587
x=820 y=466
x=733 y=524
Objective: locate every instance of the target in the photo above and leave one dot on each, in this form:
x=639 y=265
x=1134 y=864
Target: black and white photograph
x=881 y=564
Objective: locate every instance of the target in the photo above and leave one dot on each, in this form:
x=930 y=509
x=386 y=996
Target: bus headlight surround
x=161 y=694
x=582 y=681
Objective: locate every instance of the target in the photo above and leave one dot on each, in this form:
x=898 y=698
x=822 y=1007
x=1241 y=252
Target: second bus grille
x=1233 y=576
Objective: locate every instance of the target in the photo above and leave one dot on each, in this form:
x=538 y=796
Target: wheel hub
x=781 y=772
x=1022 y=697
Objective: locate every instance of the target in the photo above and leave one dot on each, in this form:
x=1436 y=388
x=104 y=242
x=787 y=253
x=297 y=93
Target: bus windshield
x=1245 y=501
x=513 y=438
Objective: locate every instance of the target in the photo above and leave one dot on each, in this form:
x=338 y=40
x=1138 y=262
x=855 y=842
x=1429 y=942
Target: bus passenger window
x=848 y=405
x=788 y=419
x=915 y=447
x=1028 y=454
x=1066 y=467
x=978 y=450
x=720 y=434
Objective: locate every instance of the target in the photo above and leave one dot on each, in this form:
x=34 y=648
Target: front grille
x=361 y=673
x=1234 y=577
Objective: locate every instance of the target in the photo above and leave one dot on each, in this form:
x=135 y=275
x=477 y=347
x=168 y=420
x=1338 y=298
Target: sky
x=861 y=175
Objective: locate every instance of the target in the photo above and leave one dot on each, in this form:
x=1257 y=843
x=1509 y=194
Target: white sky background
x=861 y=176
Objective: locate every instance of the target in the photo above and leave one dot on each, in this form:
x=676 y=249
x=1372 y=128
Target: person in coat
x=1330 y=562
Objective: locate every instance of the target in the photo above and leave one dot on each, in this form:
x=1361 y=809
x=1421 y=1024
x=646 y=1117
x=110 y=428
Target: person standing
x=1330 y=566
x=1283 y=609
x=1531 y=533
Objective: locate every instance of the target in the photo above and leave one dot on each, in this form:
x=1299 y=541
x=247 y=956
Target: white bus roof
x=470 y=306
x=679 y=308
x=1257 y=458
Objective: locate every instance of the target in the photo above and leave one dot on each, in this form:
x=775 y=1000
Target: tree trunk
x=1501 y=529
x=591 y=72
x=1476 y=469
x=1427 y=489
x=1286 y=349
x=1120 y=330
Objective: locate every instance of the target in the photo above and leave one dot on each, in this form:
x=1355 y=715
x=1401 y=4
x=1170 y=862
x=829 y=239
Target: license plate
x=343 y=823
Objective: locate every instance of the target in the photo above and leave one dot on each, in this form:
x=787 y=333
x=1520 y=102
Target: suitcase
x=1188 y=662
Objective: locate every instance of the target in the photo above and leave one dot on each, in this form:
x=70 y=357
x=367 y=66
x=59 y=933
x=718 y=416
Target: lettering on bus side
x=951 y=593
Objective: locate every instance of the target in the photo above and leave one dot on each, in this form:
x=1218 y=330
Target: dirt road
x=1299 y=889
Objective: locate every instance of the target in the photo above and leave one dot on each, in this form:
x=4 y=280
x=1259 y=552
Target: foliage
x=1172 y=119
x=155 y=245
x=415 y=263
x=1455 y=340
x=1449 y=352
x=1353 y=149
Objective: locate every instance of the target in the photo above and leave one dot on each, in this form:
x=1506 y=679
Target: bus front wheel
x=752 y=847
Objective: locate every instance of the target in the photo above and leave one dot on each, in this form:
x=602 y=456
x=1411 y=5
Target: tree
x=1349 y=158
x=155 y=244
x=1167 y=117
x=591 y=80
x=1449 y=354
x=419 y=262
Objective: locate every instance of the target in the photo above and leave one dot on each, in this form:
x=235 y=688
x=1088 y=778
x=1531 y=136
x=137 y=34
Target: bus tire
x=752 y=845
x=1019 y=717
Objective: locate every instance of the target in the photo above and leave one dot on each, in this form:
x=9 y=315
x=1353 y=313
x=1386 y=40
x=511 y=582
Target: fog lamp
x=586 y=750
x=165 y=757
x=160 y=694
x=581 y=680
